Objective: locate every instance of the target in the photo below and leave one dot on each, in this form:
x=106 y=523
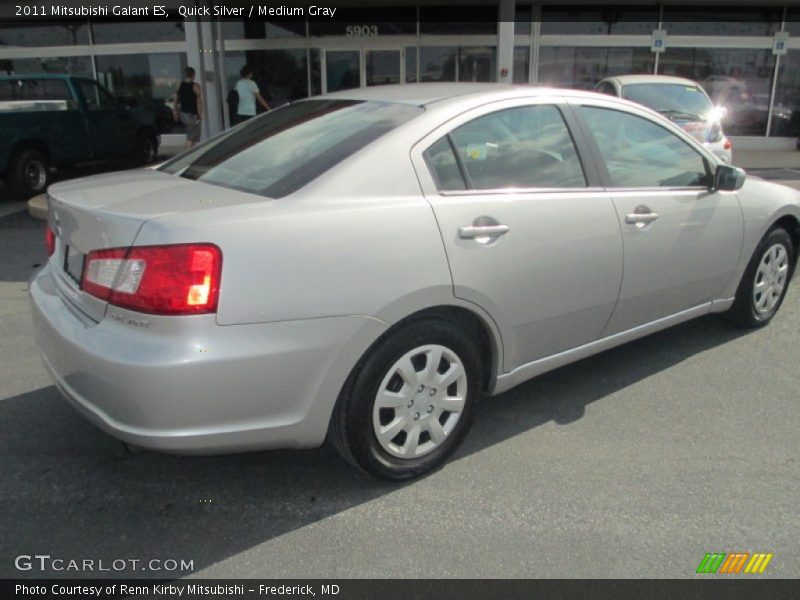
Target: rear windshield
x=674 y=100
x=281 y=151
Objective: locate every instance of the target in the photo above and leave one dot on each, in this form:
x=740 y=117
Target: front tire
x=765 y=281
x=410 y=402
x=145 y=149
x=29 y=173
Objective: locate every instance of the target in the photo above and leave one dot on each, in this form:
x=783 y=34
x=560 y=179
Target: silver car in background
x=680 y=100
x=364 y=266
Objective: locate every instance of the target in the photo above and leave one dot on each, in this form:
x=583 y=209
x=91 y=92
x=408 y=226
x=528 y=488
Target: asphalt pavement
x=633 y=463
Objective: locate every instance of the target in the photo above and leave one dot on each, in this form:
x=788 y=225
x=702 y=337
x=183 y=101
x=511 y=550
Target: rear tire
x=29 y=173
x=765 y=281
x=410 y=402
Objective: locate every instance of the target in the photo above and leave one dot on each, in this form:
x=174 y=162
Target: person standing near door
x=248 y=95
x=189 y=107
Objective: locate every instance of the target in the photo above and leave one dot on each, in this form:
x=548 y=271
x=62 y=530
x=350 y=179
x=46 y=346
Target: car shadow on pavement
x=71 y=491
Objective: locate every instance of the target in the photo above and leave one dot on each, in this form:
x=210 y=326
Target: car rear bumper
x=188 y=385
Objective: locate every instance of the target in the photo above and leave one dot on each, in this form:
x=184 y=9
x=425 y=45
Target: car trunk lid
x=108 y=211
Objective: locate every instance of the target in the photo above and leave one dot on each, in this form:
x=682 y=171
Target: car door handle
x=475 y=232
x=640 y=219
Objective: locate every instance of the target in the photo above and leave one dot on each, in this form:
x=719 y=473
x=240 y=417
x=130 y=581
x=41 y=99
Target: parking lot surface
x=633 y=463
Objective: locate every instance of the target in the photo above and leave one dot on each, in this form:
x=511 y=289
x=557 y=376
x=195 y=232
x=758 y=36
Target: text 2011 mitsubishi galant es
x=363 y=266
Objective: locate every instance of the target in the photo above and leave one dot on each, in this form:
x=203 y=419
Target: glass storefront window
x=582 y=68
x=739 y=80
x=793 y=21
x=260 y=30
x=523 y=15
x=439 y=20
x=411 y=64
x=437 y=63
x=314 y=56
x=477 y=64
x=610 y=20
x=69 y=65
x=147 y=81
x=281 y=75
x=58 y=33
x=721 y=20
x=522 y=56
x=138 y=31
x=382 y=67
x=786 y=107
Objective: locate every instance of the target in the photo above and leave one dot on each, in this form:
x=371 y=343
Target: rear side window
x=640 y=153
x=443 y=164
x=522 y=147
x=287 y=148
x=606 y=88
x=34 y=89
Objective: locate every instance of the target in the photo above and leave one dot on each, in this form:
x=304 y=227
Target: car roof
x=423 y=94
x=634 y=79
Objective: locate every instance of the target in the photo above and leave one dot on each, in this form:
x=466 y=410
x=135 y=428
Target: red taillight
x=727 y=145
x=182 y=279
x=49 y=241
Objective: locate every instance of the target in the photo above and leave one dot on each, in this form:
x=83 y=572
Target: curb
x=37 y=207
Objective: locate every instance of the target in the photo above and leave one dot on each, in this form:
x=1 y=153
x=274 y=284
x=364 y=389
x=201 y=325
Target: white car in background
x=680 y=100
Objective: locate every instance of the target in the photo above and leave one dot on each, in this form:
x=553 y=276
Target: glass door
x=342 y=70
x=383 y=67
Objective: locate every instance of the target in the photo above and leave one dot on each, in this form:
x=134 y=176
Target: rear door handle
x=640 y=219
x=477 y=232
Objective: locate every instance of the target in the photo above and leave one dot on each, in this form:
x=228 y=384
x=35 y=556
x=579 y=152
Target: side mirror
x=728 y=178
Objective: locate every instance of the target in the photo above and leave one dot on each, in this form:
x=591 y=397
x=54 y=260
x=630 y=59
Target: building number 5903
x=361 y=30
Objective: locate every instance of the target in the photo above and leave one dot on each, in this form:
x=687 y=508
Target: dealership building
x=747 y=59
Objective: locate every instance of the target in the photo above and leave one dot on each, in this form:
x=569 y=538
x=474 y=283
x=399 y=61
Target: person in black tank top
x=189 y=107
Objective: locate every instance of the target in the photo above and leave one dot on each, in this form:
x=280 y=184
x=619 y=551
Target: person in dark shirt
x=189 y=107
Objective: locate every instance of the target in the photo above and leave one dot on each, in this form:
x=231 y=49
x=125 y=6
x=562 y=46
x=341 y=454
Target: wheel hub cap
x=419 y=401
x=770 y=279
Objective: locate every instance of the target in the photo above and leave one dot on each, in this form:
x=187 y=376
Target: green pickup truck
x=60 y=121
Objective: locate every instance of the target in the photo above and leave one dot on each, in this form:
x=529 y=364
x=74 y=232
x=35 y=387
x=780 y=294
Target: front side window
x=523 y=147
x=281 y=151
x=640 y=153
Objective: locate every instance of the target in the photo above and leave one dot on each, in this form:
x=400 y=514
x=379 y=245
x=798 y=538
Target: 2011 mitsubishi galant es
x=363 y=266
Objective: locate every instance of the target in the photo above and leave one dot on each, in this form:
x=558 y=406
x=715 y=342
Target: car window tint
x=523 y=147
x=442 y=162
x=281 y=151
x=640 y=153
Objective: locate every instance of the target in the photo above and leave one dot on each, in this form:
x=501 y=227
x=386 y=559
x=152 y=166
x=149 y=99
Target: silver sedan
x=362 y=267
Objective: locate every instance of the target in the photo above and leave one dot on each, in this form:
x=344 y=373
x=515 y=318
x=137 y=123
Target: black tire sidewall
x=17 y=179
x=744 y=308
x=357 y=406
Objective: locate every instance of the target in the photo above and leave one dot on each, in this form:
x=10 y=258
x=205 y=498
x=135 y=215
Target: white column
x=201 y=54
x=210 y=81
x=505 y=42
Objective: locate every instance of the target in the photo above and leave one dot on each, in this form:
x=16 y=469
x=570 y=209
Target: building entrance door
x=344 y=69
